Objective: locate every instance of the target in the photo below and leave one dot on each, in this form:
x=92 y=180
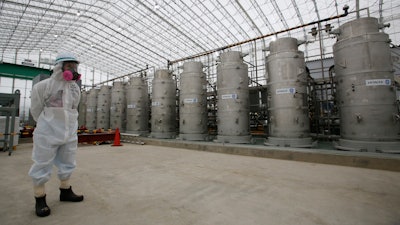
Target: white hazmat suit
x=54 y=107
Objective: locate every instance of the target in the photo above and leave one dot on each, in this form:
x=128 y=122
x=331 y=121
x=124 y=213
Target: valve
x=346 y=10
x=358 y=117
x=328 y=28
x=396 y=117
x=314 y=31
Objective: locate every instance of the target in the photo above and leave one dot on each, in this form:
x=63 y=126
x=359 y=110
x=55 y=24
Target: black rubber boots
x=67 y=195
x=42 y=209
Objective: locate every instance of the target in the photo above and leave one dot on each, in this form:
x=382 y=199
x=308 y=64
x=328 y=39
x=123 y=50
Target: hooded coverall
x=54 y=108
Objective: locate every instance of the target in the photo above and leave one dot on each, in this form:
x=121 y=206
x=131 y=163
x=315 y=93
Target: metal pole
x=255 y=58
x=93 y=78
x=358 y=9
x=40 y=53
x=324 y=91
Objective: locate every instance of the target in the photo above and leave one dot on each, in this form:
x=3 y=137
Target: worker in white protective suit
x=55 y=141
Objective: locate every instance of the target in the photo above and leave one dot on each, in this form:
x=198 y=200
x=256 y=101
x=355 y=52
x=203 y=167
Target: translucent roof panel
x=121 y=37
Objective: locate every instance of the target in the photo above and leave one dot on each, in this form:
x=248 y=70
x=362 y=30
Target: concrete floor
x=147 y=184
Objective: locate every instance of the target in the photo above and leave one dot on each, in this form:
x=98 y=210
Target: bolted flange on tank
x=193 y=103
x=287 y=95
x=365 y=92
x=163 y=105
x=233 y=118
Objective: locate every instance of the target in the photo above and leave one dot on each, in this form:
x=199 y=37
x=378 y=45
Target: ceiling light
x=78 y=13
x=55 y=35
x=156 y=6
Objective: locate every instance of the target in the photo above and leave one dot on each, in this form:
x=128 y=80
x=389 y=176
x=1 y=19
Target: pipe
x=139 y=71
x=345 y=8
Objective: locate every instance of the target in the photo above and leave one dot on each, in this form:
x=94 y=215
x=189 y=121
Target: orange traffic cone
x=117 y=138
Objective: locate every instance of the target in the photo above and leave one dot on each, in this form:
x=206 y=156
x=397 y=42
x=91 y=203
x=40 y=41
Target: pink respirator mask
x=71 y=75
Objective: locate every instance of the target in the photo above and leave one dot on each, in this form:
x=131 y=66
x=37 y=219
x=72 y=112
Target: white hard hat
x=66 y=56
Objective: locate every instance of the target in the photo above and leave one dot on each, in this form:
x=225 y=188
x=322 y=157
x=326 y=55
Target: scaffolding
x=9 y=107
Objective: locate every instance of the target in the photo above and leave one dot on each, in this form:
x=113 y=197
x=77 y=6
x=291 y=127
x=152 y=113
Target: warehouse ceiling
x=124 y=36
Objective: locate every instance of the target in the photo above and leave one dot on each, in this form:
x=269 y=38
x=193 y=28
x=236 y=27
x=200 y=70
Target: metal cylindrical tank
x=193 y=102
x=137 y=106
x=163 y=105
x=118 y=106
x=103 y=107
x=233 y=118
x=287 y=95
x=364 y=83
x=82 y=109
x=91 y=109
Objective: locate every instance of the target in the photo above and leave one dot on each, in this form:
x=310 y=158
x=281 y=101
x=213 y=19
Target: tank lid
x=192 y=66
x=231 y=56
x=162 y=73
x=357 y=27
x=283 y=44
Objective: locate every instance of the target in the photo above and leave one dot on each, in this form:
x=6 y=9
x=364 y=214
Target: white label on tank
x=229 y=96
x=190 y=100
x=132 y=106
x=89 y=110
x=285 y=91
x=377 y=82
x=155 y=104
